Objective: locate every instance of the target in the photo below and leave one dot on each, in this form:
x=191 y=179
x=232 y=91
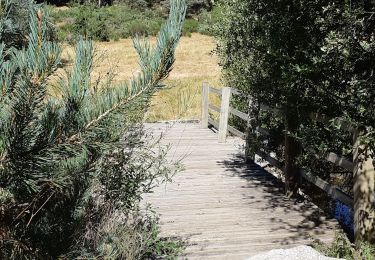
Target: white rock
x=296 y=253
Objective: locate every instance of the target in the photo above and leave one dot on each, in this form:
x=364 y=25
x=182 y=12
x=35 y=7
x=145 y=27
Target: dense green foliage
x=193 y=6
x=303 y=57
x=120 y=21
x=74 y=165
x=104 y=24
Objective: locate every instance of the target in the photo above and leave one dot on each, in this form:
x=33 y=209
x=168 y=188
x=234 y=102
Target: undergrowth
x=341 y=247
x=120 y=21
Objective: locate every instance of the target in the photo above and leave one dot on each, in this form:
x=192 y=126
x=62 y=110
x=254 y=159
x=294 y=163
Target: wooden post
x=292 y=150
x=205 y=101
x=363 y=177
x=251 y=134
x=224 y=114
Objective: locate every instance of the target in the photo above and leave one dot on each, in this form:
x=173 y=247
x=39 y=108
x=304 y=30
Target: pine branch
x=159 y=60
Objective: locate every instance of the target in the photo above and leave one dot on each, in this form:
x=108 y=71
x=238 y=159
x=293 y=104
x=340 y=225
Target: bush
x=116 y=22
x=190 y=27
x=308 y=58
x=104 y=24
x=342 y=248
x=303 y=57
x=73 y=166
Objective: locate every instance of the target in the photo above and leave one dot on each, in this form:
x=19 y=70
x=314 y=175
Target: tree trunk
x=292 y=151
x=363 y=176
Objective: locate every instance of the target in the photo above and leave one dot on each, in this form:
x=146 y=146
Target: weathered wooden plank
x=205 y=102
x=329 y=189
x=238 y=113
x=236 y=132
x=270 y=159
x=339 y=161
x=213 y=122
x=226 y=208
x=224 y=114
x=215 y=91
x=214 y=108
x=320 y=183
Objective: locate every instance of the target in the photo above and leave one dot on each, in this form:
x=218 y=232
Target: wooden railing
x=224 y=110
x=224 y=128
x=362 y=166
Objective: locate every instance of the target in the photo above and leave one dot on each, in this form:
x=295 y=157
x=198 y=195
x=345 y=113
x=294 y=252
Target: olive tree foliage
x=74 y=164
x=303 y=57
x=314 y=62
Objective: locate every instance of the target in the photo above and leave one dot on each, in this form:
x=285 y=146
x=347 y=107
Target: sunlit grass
x=181 y=99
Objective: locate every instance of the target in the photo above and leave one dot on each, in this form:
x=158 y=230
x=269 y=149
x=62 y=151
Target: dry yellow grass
x=194 y=64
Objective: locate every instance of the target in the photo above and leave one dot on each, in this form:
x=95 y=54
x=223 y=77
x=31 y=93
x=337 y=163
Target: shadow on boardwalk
x=315 y=221
x=224 y=208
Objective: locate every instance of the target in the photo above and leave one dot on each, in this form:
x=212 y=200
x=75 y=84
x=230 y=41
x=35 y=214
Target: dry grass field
x=181 y=99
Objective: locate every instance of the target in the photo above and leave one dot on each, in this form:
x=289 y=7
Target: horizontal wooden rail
x=215 y=91
x=225 y=111
x=214 y=108
x=331 y=190
x=273 y=161
x=339 y=161
x=240 y=114
x=213 y=123
x=236 y=132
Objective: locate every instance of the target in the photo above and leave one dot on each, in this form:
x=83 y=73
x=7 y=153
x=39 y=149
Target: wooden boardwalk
x=225 y=209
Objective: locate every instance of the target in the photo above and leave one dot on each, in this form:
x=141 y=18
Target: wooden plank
x=236 y=132
x=224 y=114
x=214 y=108
x=215 y=91
x=332 y=191
x=213 y=123
x=340 y=161
x=240 y=114
x=222 y=206
x=205 y=102
x=270 y=159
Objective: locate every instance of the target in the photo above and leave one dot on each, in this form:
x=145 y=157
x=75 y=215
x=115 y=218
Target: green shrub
x=303 y=57
x=73 y=165
x=190 y=27
x=342 y=248
x=208 y=19
x=106 y=23
x=126 y=19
